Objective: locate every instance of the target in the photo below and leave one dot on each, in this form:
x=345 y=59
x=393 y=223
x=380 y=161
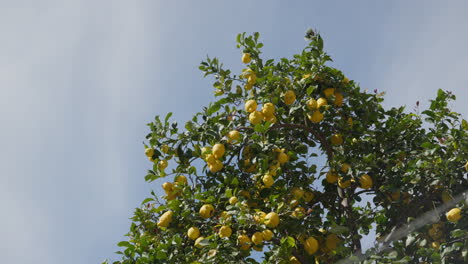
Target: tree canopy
x=295 y=163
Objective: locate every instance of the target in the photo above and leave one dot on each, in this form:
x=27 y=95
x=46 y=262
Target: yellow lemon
x=344 y=184
x=311 y=245
x=216 y=166
x=225 y=231
x=315 y=117
x=233 y=136
x=193 y=233
x=244 y=242
x=233 y=200
x=250 y=106
x=149 y=152
x=337 y=139
x=255 y=117
x=289 y=97
x=168 y=187
x=329 y=92
x=282 y=157
x=257 y=238
x=299 y=212
x=345 y=80
x=218 y=150
x=435 y=245
x=338 y=99
x=181 y=179
x=308 y=196
x=165 y=148
x=267 y=234
x=272 y=220
x=297 y=193
x=366 y=181
x=165 y=219
x=206 y=211
x=272 y=119
x=454 y=215
x=331 y=241
x=312 y=104
x=345 y=167
x=259 y=217
x=258 y=248
x=162 y=164
x=268 y=180
x=321 y=102
x=268 y=109
x=246 y=58
x=246 y=73
x=247 y=87
x=332 y=177
x=198 y=242
x=210 y=159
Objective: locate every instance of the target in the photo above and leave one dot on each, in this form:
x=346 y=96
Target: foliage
x=330 y=170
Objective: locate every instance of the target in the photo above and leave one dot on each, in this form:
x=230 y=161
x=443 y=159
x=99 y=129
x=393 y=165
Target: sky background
x=79 y=81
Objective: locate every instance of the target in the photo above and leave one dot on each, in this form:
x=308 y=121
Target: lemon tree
x=295 y=163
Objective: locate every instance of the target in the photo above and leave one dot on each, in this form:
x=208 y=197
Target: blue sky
x=79 y=81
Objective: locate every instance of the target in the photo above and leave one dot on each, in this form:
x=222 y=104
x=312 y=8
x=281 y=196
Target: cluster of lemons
x=332 y=177
x=267 y=112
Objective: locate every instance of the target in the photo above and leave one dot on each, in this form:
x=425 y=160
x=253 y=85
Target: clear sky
x=80 y=79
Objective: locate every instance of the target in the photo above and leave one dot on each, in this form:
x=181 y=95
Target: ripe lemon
x=267 y=234
x=210 y=159
x=225 y=231
x=345 y=80
x=233 y=136
x=193 y=233
x=366 y=181
x=257 y=238
x=297 y=193
x=315 y=117
x=299 y=212
x=332 y=177
x=331 y=241
x=218 y=150
x=272 y=119
x=244 y=242
x=312 y=104
x=162 y=164
x=250 y=106
x=308 y=196
x=198 y=242
x=247 y=87
x=344 y=184
x=252 y=79
x=268 y=110
x=165 y=219
x=255 y=117
x=268 y=180
x=149 y=152
x=246 y=58
x=338 y=99
x=168 y=187
x=259 y=217
x=337 y=139
x=311 y=245
x=321 y=102
x=246 y=73
x=272 y=220
x=345 y=167
x=329 y=92
x=206 y=211
x=165 y=148
x=282 y=157
x=181 y=179
x=454 y=215
x=216 y=166
x=233 y=200
x=289 y=97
